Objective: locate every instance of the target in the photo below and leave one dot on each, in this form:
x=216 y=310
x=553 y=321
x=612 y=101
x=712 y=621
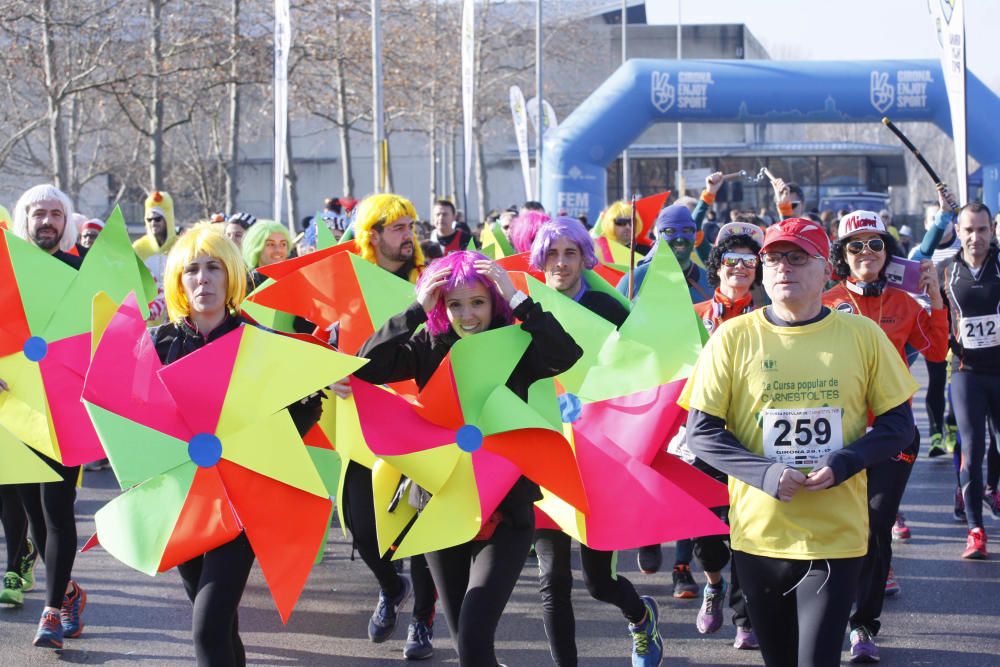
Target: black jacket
x=174 y=341
x=397 y=351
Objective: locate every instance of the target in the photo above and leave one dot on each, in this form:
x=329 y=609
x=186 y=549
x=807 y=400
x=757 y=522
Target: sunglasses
x=623 y=222
x=793 y=257
x=857 y=247
x=734 y=259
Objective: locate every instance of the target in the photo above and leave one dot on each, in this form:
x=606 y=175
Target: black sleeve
x=710 y=441
x=891 y=433
x=551 y=351
x=306 y=413
x=606 y=306
x=392 y=351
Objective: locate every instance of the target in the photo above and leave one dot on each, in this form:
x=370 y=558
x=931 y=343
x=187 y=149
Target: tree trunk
x=343 y=131
x=57 y=148
x=452 y=166
x=432 y=144
x=232 y=168
x=481 y=192
x=156 y=102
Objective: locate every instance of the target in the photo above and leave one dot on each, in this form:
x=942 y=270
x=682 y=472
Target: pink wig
x=524 y=227
x=463 y=274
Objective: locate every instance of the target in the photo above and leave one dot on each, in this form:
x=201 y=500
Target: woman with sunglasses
x=734 y=270
x=860 y=258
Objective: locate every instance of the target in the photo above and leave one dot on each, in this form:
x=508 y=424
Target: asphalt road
x=947 y=614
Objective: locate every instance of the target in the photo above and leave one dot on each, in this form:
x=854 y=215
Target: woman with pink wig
x=524 y=227
x=461 y=295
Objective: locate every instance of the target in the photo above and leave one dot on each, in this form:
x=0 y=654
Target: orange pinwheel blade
x=545 y=458
x=206 y=521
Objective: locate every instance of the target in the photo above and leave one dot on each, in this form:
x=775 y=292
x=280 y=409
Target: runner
x=733 y=269
x=973 y=287
x=860 y=258
x=562 y=250
x=779 y=401
x=41 y=217
x=461 y=295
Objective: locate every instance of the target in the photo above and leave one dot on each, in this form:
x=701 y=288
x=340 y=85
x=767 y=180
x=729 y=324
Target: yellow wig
x=202 y=239
x=383 y=210
x=619 y=209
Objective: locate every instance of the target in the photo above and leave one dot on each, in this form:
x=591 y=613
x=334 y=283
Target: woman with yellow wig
x=204 y=283
x=616 y=225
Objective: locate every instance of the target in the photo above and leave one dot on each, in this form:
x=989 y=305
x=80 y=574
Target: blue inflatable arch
x=644 y=91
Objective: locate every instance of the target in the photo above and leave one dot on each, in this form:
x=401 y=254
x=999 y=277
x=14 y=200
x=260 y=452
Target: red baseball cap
x=806 y=234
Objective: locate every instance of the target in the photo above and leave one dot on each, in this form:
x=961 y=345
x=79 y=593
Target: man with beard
x=42 y=217
x=385 y=236
x=157 y=242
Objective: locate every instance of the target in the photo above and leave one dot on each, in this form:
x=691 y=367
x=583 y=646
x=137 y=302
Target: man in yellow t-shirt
x=780 y=401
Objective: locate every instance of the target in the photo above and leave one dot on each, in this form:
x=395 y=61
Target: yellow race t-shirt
x=793 y=394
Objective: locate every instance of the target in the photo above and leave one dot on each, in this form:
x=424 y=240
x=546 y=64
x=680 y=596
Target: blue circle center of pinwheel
x=35 y=348
x=469 y=438
x=205 y=450
x=570 y=408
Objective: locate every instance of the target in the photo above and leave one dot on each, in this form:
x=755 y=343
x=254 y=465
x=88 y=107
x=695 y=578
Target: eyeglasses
x=793 y=257
x=155 y=218
x=623 y=222
x=857 y=247
x=734 y=259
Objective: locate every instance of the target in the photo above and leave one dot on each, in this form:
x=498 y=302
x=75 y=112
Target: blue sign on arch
x=643 y=91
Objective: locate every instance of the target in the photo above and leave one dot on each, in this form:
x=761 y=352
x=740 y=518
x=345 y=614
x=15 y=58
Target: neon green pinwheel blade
x=483 y=362
x=134 y=462
x=42 y=280
x=110 y=267
x=136 y=526
x=385 y=294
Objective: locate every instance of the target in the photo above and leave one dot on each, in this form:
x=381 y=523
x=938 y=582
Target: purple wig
x=562 y=227
x=463 y=274
x=524 y=227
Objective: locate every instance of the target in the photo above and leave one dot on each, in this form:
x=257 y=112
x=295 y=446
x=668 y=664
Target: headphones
x=874 y=288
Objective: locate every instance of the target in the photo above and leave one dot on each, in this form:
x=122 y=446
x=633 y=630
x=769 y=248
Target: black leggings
x=359 y=513
x=214 y=583
x=15 y=525
x=937 y=378
x=555 y=583
x=476 y=580
x=976 y=398
x=712 y=552
x=52 y=520
x=886 y=484
x=805 y=627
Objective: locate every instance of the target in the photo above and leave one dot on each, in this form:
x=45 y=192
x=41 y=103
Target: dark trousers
x=799 y=608
x=555 y=584
x=214 y=583
x=52 y=521
x=976 y=398
x=359 y=513
x=937 y=378
x=15 y=525
x=475 y=581
x=886 y=484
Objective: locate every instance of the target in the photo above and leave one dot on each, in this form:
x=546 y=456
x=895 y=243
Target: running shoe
x=746 y=640
x=26 y=566
x=959 y=511
x=992 y=499
x=383 y=620
x=713 y=601
x=891 y=585
x=900 y=531
x=950 y=438
x=13 y=590
x=975 y=545
x=71 y=613
x=863 y=648
x=685 y=587
x=937 y=449
x=647 y=644
x=650 y=559
x=418 y=641
x=50 y=631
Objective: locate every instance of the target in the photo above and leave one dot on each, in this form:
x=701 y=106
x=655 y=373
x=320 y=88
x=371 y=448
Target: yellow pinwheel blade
x=20 y=464
x=104 y=308
x=389 y=525
x=23 y=409
x=451 y=517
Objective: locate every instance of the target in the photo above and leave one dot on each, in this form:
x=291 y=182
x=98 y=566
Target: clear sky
x=847 y=29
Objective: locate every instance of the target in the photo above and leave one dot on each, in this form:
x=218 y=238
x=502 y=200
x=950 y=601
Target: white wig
x=41 y=193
